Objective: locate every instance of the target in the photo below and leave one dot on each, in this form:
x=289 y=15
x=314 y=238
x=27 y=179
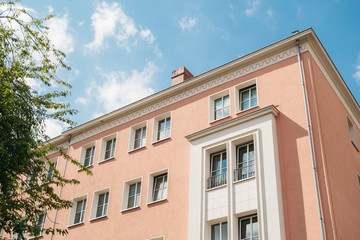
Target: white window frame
x=95 y=202
x=42 y=225
x=150 y=189
x=244 y=86
x=157 y=238
x=212 y=99
x=156 y=121
x=83 y=151
x=249 y=167
x=352 y=134
x=220 y=179
x=104 y=141
x=132 y=136
x=126 y=189
x=72 y=214
x=220 y=225
x=251 y=222
x=50 y=166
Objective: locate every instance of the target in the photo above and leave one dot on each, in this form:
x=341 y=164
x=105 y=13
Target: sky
x=122 y=51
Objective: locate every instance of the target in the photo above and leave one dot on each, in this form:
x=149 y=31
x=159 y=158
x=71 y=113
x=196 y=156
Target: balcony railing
x=216 y=181
x=244 y=172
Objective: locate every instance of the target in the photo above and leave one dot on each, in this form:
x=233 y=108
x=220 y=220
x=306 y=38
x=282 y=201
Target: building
x=223 y=155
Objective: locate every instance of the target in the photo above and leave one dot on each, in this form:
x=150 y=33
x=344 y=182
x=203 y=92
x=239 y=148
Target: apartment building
x=263 y=147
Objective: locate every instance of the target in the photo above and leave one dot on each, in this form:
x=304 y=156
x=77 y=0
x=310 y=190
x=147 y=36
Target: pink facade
x=274 y=191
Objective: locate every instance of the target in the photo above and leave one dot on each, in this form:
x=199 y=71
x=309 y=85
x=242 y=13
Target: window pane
x=168 y=122
x=226 y=101
x=245 y=95
x=144 y=132
x=138 y=187
x=245 y=228
x=99 y=211
x=167 y=133
x=161 y=125
x=216 y=162
x=226 y=111
x=137 y=143
x=132 y=189
x=101 y=199
x=218 y=114
x=218 y=104
x=137 y=200
x=158 y=182
x=244 y=105
x=77 y=217
x=215 y=232
x=131 y=201
x=255 y=227
x=224 y=235
x=156 y=195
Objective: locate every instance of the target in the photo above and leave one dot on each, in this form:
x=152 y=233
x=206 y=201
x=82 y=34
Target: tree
x=26 y=54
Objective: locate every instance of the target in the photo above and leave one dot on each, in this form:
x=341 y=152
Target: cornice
x=233 y=122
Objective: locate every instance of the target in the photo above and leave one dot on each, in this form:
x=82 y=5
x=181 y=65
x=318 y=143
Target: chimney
x=180 y=75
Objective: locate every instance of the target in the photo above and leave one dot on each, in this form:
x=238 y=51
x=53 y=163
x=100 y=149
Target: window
x=248 y=98
x=248 y=228
x=50 y=167
x=89 y=156
x=20 y=231
x=77 y=212
x=158 y=186
x=352 y=134
x=131 y=194
x=219 y=231
x=219 y=105
x=40 y=225
x=100 y=203
x=138 y=136
x=222 y=107
x=162 y=127
x=218 y=170
x=246 y=95
x=245 y=162
x=108 y=147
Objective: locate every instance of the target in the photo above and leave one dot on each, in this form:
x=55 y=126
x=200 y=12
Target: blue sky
x=121 y=51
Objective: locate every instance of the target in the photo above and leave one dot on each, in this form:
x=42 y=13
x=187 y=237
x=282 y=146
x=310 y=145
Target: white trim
x=162 y=237
x=83 y=153
x=241 y=86
x=73 y=210
x=104 y=140
x=150 y=187
x=125 y=194
x=212 y=98
x=132 y=135
x=95 y=203
x=156 y=121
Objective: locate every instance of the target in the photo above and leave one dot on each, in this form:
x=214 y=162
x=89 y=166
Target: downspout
x=61 y=187
x=311 y=143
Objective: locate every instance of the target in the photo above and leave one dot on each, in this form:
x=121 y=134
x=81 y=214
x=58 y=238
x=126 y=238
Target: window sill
x=216 y=120
x=243 y=180
x=90 y=166
x=210 y=189
x=356 y=147
x=75 y=224
x=97 y=218
x=129 y=209
x=135 y=149
x=242 y=111
x=35 y=237
x=105 y=160
x=149 y=203
x=157 y=141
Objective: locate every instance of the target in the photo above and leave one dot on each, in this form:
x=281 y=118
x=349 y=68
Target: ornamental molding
x=193 y=91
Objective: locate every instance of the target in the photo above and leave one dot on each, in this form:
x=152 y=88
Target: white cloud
x=187 y=23
x=111 y=21
x=356 y=75
x=59 y=34
x=81 y=23
x=253 y=6
x=81 y=100
x=147 y=35
x=54 y=128
x=270 y=13
x=120 y=88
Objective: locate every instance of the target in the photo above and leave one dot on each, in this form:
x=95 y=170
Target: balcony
x=217 y=180
x=244 y=172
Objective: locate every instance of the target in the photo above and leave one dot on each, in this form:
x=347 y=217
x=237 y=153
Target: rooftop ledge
x=235 y=121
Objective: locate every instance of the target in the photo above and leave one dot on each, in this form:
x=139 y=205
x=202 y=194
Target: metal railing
x=217 y=180
x=244 y=172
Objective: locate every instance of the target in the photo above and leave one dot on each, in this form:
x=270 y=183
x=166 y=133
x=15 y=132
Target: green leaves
x=27 y=54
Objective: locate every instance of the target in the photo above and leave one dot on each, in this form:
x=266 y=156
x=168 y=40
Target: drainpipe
x=311 y=143
x=61 y=187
